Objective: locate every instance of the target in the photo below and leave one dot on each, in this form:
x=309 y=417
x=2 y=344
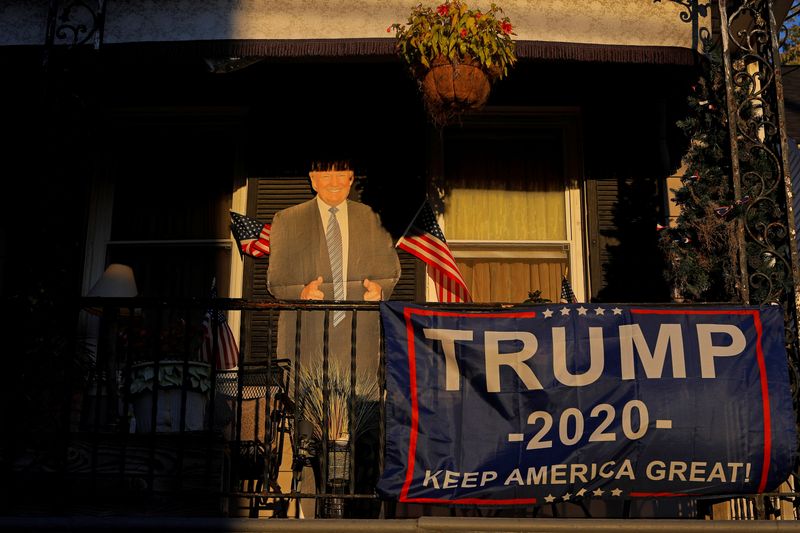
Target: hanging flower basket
x=456 y=53
x=455 y=87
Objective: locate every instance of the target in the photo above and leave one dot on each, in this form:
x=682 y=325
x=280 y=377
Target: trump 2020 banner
x=565 y=402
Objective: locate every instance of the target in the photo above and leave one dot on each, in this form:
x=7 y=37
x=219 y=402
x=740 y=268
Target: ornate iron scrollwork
x=693 y=10
x=769 y=255
x=75 y=22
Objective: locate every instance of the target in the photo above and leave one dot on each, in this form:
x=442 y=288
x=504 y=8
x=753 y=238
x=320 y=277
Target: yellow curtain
x=481 y=214
x=506 y=185
x=510 y=280
x=505 y=189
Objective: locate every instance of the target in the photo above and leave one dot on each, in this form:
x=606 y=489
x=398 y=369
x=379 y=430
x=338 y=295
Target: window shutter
x=266 y=196
x=601 y=201
x=408 y=289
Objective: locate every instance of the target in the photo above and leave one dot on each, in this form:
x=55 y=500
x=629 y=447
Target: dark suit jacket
x=299 y=254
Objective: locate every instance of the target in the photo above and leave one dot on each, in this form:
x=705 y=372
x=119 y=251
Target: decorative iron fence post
x=759 y=151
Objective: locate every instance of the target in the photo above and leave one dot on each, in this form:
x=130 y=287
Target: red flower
x=478 y=15
x=463 y=32
x=389 y=29
x=506 y=27
x=443 y=9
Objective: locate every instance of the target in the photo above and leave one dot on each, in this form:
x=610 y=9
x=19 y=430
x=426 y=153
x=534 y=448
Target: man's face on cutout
x=333 y=186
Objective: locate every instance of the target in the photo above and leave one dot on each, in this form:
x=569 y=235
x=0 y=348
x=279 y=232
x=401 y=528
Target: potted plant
x=455 y=52
x=170 y=394
x=179 y=368
x=332 y=414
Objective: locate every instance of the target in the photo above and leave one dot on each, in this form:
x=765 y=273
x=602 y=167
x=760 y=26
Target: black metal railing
x=161 y=412
x=159 y=427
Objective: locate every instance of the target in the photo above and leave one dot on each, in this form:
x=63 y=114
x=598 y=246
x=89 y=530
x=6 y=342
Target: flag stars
x=616 y=492
x=582 y=311
x=549 y=498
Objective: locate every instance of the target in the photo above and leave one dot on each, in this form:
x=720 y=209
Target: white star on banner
x=547 y=313
x=580 y=492
x=582 y=311
x=600 y=311
x=564 y=311
x=567 y=496
x=616 y=492
x=617 y=311
x=598 y=492
x=549 y=498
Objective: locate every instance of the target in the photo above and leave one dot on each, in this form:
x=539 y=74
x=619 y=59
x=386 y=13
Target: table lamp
x=116 y=282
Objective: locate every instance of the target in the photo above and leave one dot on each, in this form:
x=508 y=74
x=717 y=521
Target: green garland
x=701 y=248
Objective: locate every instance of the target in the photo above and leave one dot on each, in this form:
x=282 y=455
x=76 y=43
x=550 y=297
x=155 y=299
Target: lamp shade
x=117 y=281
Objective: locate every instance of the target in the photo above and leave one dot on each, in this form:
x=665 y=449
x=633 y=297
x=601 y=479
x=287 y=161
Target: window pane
x=172 y=197
x=175 y=270
x=505 y=188
x=159 y=207
x=510 y=280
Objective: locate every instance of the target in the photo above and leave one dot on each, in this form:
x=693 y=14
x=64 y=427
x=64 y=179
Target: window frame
x=566 y=120
x=226 y=122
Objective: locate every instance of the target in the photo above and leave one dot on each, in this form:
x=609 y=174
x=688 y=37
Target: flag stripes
x=257 y=247
x=425 y=240
x=430 y=250
x=218 y=343
x=251 y=235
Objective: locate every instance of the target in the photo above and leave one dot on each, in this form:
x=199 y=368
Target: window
x=161 y=203
x=173 y=233
x=512 y=207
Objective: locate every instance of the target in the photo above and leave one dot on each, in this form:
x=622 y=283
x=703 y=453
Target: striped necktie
x=334 y=237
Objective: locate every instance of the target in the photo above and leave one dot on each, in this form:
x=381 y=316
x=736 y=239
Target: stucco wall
x=633 y=22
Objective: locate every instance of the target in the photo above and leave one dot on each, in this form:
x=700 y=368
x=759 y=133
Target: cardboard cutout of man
x=300 y=267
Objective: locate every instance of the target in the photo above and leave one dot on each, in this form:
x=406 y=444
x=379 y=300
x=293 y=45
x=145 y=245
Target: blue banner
x=564 y=402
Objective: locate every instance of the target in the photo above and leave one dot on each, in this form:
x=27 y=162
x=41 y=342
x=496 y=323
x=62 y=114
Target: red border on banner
x=412 y=374
x=412 y=369
x=762 y=374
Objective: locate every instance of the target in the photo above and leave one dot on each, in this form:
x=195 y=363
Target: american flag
x=567 y=296
x=424 y=239
x=221 y=343
x=252 y=235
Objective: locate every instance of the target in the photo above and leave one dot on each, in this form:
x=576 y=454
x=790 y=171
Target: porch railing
x=155 y=427
x=161 y=410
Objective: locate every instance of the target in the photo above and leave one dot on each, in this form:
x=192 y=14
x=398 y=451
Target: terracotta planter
x=455 y=87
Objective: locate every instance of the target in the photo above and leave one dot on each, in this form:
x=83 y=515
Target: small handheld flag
x=218 y=338
x=424 y=239
x=251 y=235
x=567 y=296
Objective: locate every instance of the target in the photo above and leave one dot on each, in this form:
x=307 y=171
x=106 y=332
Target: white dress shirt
x=341 y=218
